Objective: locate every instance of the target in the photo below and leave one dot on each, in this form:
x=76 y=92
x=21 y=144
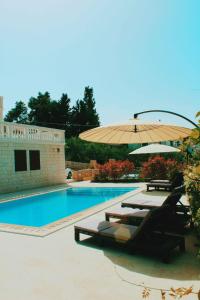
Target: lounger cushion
x=159 y=184
x=120 y=232
x=160 y=181
x=128 y=212
x=147 y=203
x=93 y=226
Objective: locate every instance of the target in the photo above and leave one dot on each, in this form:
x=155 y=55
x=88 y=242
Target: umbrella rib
x=165 y=132
x=117 y=132
x=161 y=137
x=123 y=134
x=170 y=131
x=108 y=134
x=89 y=132
x=98 y=135
x=182 y=129
x=139 y=137
x=146 y=134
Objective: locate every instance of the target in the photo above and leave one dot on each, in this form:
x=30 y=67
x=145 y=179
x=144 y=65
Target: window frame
x=24 y=165
x=34 y=165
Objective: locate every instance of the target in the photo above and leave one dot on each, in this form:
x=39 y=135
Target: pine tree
x=17 y=114
x=64 y=114
x=84 y=114
x=40 y=110
x=91 y=113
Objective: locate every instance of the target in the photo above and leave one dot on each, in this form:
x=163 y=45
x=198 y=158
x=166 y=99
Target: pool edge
x=50 y=228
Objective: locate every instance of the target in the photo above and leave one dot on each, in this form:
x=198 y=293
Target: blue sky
x=137 y=55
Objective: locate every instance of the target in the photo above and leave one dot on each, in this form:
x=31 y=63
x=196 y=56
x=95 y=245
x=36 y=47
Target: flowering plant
x=114 y=169
x=158 y=167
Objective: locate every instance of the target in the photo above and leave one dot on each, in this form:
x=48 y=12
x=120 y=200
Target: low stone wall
x=86 y=174
x=75 y=165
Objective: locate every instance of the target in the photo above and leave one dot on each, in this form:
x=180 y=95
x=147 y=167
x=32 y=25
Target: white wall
x=52 y=167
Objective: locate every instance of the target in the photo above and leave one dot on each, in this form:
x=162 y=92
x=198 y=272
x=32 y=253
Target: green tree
x=40 y=110
x=84 y=114
x=50 y=113
x=17 y=114
x=64 y=114
x=92 y=118
x=191 y=146
x=44 y=111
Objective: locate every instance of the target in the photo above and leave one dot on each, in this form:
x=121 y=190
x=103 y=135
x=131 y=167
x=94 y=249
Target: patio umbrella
x=155 y=148
x=135 y=132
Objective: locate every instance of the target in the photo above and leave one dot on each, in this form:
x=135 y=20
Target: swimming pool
x=43 y=209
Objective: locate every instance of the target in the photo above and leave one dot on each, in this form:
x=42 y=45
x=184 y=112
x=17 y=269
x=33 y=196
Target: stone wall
x=52 y=166
x=76 y=165
x=87 y=174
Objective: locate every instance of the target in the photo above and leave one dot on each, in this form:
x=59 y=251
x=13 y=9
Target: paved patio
x=56 y=267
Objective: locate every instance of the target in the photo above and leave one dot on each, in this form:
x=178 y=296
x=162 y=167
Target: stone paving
x=56 y=267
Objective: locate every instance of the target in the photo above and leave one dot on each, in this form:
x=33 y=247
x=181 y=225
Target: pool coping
x=50 y=228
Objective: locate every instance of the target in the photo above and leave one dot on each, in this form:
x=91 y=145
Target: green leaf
x=198 y=114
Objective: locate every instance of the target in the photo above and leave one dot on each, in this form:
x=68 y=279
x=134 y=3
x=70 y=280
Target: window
x=34 y=157
x=20 y=160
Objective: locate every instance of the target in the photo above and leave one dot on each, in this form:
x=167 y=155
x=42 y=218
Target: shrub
x=82 y=151
x=192 y=176
x=192 y=181
x=158 y=167
x=114 y=170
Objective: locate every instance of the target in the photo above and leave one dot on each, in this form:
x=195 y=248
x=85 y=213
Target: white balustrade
x=21 y=132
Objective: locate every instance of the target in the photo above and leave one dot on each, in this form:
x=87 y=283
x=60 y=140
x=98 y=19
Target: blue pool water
x=44 y=209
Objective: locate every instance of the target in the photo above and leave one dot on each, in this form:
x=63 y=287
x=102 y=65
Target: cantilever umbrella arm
x=168 y=112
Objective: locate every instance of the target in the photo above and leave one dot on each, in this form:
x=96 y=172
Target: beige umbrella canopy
x=155 y=148
x=135 y=133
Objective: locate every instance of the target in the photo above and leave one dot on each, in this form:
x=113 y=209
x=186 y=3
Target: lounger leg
x=77 y=235
x=182 y=245
x=107 y=218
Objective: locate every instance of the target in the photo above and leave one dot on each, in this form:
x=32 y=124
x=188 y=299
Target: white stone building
x=30 y=156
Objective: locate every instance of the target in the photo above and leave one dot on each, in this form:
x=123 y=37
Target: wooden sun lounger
x=142 y=238
x=159 y=186
x=151 y=204
x=177 y=222
x=167 y=185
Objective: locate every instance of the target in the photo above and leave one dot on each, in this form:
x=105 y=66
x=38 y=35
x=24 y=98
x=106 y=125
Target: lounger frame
x=170 y=241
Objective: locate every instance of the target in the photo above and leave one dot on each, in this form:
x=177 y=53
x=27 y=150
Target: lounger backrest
x=177 y=180
x=154 y=220
x=180 y=188
x=172 y=199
